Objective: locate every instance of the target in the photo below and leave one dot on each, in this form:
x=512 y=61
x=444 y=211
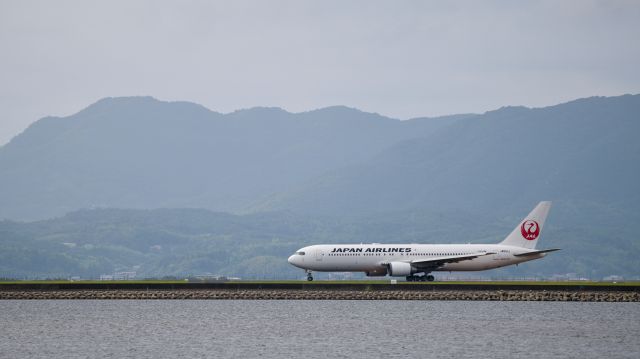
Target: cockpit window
x=301 y=253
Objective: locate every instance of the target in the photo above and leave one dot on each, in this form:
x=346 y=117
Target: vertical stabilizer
x=527 y=233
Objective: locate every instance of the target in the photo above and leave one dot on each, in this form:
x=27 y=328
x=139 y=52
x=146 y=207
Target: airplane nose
x=291 y=258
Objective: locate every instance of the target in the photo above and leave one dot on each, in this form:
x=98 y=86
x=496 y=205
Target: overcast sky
x=402 y=59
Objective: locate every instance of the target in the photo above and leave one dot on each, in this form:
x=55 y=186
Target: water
x=317 y=329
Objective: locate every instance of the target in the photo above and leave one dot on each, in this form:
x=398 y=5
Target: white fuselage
x=374 y=258
x=410 y=259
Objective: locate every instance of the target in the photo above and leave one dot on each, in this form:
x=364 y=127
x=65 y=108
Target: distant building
x=124 y=275
x=210 y=277
x=567 y=277
x=119 y=276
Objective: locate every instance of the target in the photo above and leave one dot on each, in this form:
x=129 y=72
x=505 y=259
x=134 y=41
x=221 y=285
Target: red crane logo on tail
x=530 y=230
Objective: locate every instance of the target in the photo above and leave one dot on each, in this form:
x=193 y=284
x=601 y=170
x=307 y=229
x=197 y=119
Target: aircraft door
x=319 y=255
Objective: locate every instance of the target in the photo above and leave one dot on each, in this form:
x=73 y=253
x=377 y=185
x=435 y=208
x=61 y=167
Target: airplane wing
x=536 y=252
x=437 y=262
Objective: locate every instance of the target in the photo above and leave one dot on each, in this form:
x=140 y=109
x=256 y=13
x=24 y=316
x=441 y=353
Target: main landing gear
x=309 y=276
x=420 y=278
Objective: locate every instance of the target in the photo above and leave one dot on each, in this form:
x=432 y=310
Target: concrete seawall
x=322 y=291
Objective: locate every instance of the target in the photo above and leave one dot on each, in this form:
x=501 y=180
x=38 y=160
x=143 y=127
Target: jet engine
x=377 y=272
x=400 y=269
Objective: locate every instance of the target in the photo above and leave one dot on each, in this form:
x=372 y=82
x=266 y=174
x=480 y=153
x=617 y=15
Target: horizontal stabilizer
x=536 y=252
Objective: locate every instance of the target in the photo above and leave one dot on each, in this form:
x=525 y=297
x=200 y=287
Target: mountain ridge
x=554 y=141
x=177 y=154
x=139 y=152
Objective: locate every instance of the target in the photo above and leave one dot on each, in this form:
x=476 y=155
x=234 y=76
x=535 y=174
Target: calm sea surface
x=317 y=329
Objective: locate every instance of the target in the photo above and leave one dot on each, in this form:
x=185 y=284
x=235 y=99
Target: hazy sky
x=400 y=58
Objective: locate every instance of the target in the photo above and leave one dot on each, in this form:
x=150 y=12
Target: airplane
x=417 y=261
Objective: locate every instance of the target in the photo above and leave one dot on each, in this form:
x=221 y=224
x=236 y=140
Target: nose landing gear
x=309 y=276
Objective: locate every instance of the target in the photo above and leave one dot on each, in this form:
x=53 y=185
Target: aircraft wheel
x=430 y=278
x=409 y=278
x=309 y=278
